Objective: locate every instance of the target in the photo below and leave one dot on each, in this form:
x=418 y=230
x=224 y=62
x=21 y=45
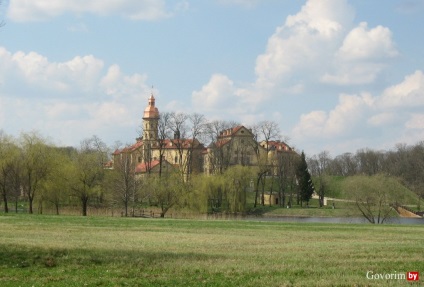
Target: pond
x=355 y=220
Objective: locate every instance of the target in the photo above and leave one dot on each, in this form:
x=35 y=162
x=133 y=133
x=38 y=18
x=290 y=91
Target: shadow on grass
x=14 y=256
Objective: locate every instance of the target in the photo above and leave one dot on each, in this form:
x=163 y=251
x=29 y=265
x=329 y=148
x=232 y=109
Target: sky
x=336 y=75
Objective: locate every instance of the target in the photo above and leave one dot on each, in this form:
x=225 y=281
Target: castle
x=153 y=153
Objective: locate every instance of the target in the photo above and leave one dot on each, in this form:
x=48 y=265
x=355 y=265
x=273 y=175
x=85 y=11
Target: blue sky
x=336 y=75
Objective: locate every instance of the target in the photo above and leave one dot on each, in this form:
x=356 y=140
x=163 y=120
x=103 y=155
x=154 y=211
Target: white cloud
x=306 y=41
x=382 y=119
x=367 y=44
x=69 y=100
x=218 y=93
x=319 y=44
x=415 y=122
x=396 y=114
x=117 y=84
x=362 y=56
x=35 y=70
x=36 y=10
x=409 y=93
x=339 y=121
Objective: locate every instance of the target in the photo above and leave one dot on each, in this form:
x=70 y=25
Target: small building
x=271 y=199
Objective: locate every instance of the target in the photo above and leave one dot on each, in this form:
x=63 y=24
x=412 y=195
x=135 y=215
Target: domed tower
x=150 y=121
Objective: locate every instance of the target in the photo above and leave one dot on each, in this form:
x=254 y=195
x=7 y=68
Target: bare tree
x=164 y=133
x=219 y=156
x=284 y=166
x=188 y=130
x=123 y=181
x=319 y=167
x=264 y=131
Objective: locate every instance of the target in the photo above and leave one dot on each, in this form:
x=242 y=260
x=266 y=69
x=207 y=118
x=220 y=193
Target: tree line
x=404 y=161
x=370 y=176
x=35 y=172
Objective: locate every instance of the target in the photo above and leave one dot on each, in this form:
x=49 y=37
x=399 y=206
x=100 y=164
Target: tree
x=237 y=181
x=306 y=188
x=267 y=130
x=285 y=172
x=9 y=169
x=36 y=165
x=123 y=181
x=57 y=188
x=373 y=196
x=188 y=130
x=88 y=170
x=166 y=191
x=164 y=133
x=319 y=165
x=220 y=151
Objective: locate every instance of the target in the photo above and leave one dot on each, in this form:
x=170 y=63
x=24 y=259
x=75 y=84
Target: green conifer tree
x=306 y=186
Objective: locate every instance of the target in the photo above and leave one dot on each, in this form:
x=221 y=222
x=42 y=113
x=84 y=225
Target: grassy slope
x=99 y=251
x=337 y=189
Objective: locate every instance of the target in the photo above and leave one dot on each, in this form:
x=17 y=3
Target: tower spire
x=150 y=119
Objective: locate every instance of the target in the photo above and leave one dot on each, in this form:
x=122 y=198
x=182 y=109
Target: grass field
x=104 y=251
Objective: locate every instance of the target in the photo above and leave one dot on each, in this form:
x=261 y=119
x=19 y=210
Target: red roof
x=142 y=167
x=129 y=148
x=278 y=145
x=230 y=131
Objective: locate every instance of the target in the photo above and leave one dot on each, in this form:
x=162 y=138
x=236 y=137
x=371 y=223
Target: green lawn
x=103 y=251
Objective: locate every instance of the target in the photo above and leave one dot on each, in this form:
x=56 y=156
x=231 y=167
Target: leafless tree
x=264 y=131
x=219 y=156
x=319 y=167
x=164 y=134
x=285 y=163
x=123 y=181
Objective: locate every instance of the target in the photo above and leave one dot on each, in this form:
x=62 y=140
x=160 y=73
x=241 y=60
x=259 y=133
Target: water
x=355 y=220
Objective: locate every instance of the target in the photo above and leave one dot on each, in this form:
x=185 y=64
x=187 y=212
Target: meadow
x=44 y=250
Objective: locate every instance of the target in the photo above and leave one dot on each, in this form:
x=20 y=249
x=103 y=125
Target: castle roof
x=151 y=112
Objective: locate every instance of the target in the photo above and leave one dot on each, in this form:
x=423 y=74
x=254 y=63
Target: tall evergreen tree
x=306 y=186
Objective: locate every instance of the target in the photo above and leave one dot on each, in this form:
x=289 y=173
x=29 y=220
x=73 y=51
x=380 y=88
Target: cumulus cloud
x=35 y=70
x=218 y=93
x=362 y=55
x=318 y=45
x=416 y=121
x=36 y=10
x=338 y=122
x=79 y=97
x=306 y=41
x=396 y=112
x=409 y=93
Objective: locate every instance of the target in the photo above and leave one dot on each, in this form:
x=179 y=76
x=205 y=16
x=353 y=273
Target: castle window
x=139 y=159
x=176 y=159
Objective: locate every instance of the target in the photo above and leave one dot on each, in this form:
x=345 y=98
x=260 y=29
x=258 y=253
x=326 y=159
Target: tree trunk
x=84 y=201
x=30 y=199
x=6 y=208
x=257 y=191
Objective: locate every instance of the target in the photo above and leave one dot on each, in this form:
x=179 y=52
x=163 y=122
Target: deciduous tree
x=36 y=164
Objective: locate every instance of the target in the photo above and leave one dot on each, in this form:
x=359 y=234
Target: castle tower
x=150 y=121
